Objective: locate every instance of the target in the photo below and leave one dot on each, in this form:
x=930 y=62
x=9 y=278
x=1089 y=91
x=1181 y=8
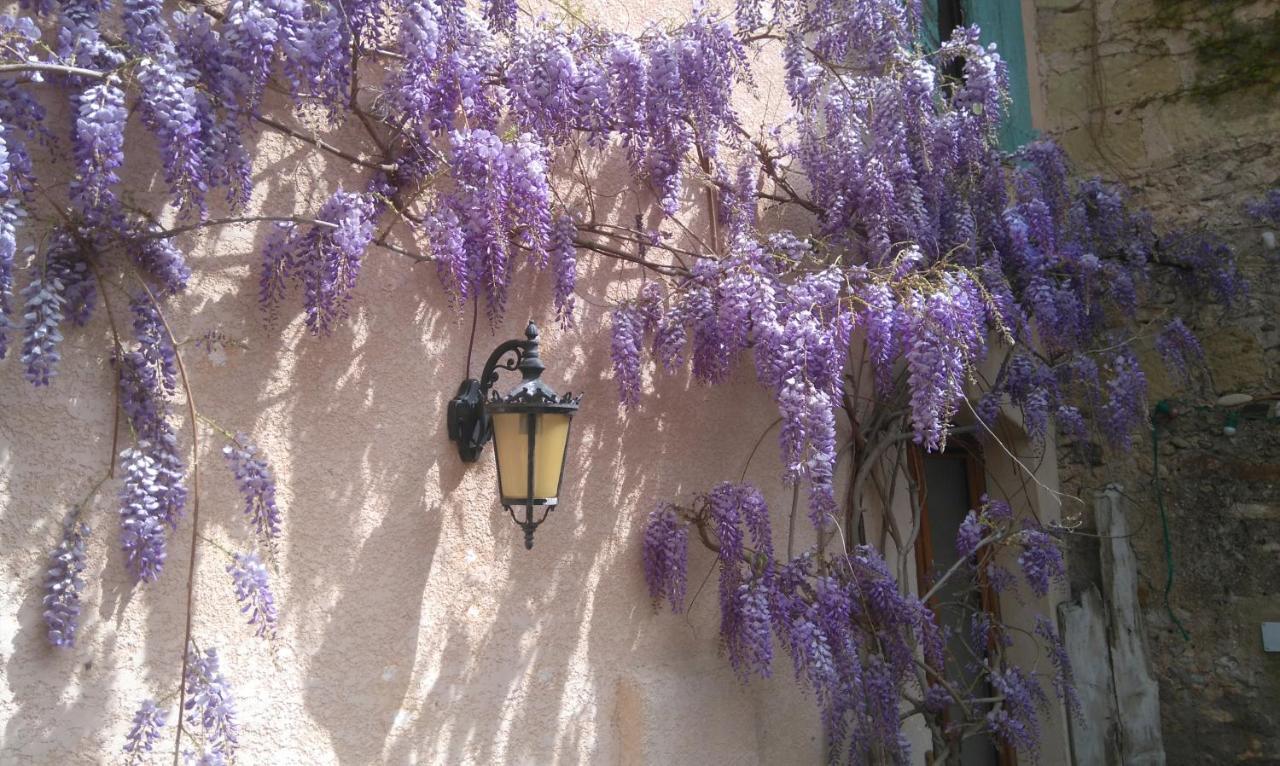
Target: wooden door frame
x=970 y=451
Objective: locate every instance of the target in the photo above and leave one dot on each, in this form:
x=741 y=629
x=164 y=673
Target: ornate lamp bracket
x=469 y=425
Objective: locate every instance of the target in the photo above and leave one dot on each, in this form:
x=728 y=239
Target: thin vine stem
x=195 y=519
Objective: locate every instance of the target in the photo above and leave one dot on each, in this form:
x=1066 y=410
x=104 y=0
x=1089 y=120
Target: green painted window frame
x=1000 y=22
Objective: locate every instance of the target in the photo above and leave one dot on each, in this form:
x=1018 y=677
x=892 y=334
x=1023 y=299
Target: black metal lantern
x=529 y=427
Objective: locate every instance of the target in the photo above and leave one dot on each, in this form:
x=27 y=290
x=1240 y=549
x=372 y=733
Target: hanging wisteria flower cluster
x=930 y=273
x=866 y=650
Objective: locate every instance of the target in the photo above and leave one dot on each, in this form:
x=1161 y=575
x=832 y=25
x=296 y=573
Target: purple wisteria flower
x=160 y=260
x=666 y=556
x=1015 y=719
x=258 y=487
x=10 y=213
x=628 y=339
x=142 y=522
x=79 y=290
x=155 y=487
x=563 y=256
x=63 y=585
x=1179 y=348
x=1041 y=559
x=746 y=594
x=144 y=732
x=1063 y=678
x=969 y=536
x=210 y=705
x=176 y=114
x=325 y=260
x=42 y=314
x=98 y=144
x=253 y=593
x=1126 y=405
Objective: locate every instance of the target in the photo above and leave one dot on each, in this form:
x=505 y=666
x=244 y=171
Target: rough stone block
x=1255 y=511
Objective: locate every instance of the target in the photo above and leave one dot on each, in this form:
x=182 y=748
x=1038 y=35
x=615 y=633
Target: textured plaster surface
x=414 y=626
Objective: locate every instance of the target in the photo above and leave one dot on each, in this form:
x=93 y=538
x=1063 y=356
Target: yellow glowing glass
x=511 y=443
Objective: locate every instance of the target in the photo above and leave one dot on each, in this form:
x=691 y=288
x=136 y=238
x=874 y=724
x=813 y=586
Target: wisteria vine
x=933 y=275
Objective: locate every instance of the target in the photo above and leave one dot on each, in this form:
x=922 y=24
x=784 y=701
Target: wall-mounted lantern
x=529 y=427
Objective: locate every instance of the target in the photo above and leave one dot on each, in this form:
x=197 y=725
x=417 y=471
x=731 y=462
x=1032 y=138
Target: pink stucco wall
x=414 y=626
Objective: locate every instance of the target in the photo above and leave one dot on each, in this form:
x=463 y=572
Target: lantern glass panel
x=511 y=442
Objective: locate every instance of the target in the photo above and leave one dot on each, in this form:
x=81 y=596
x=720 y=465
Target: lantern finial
x=530 y=364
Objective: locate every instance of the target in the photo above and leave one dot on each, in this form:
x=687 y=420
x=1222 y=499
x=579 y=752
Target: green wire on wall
x=1162 y=409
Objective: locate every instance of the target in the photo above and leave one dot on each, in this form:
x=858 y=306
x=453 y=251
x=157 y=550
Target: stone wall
x=1137 y=91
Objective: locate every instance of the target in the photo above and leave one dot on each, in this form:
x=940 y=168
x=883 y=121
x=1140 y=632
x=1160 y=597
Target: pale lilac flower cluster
x=745 y=626
x=42 y=314
x=176 y=113
x=9 y=213
x=98 y=144
x=142 y=522
x=970 y=535
x=154 y=494
x=324 y=261
x=1179 y=348
x=501 y=197
x=79 y=289
x=18 y=111
x=543 y=81
x=665 y=551
x=144 y=732
x=61 y=288
x=1015 y=718
x=1032 y=387
x=210 y=705
x=253 y=593
x=563 y=256
x=628 y=339
x=1064 y=685
x=160 y=259
x=1205 y=263
x=852 y=636
x=1126 y=405
x=314 y=41
x=63 y=585
x=947 y=335
x=1041 y=559
x=450 y=55
x=258 y=487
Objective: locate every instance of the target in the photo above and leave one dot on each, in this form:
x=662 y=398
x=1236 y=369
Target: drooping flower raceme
x=253 y=593
x=1179 y=348
x=628 y=339
x=144 y=732
x=142 y=522
x=1041 y=559
x=158 y=489
x=563 y=255
x=253 y=477
x=210 y=705
x=99 y=150
x=666 y=554
x=853 y=636
x=63 y=585
x=42 y=314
